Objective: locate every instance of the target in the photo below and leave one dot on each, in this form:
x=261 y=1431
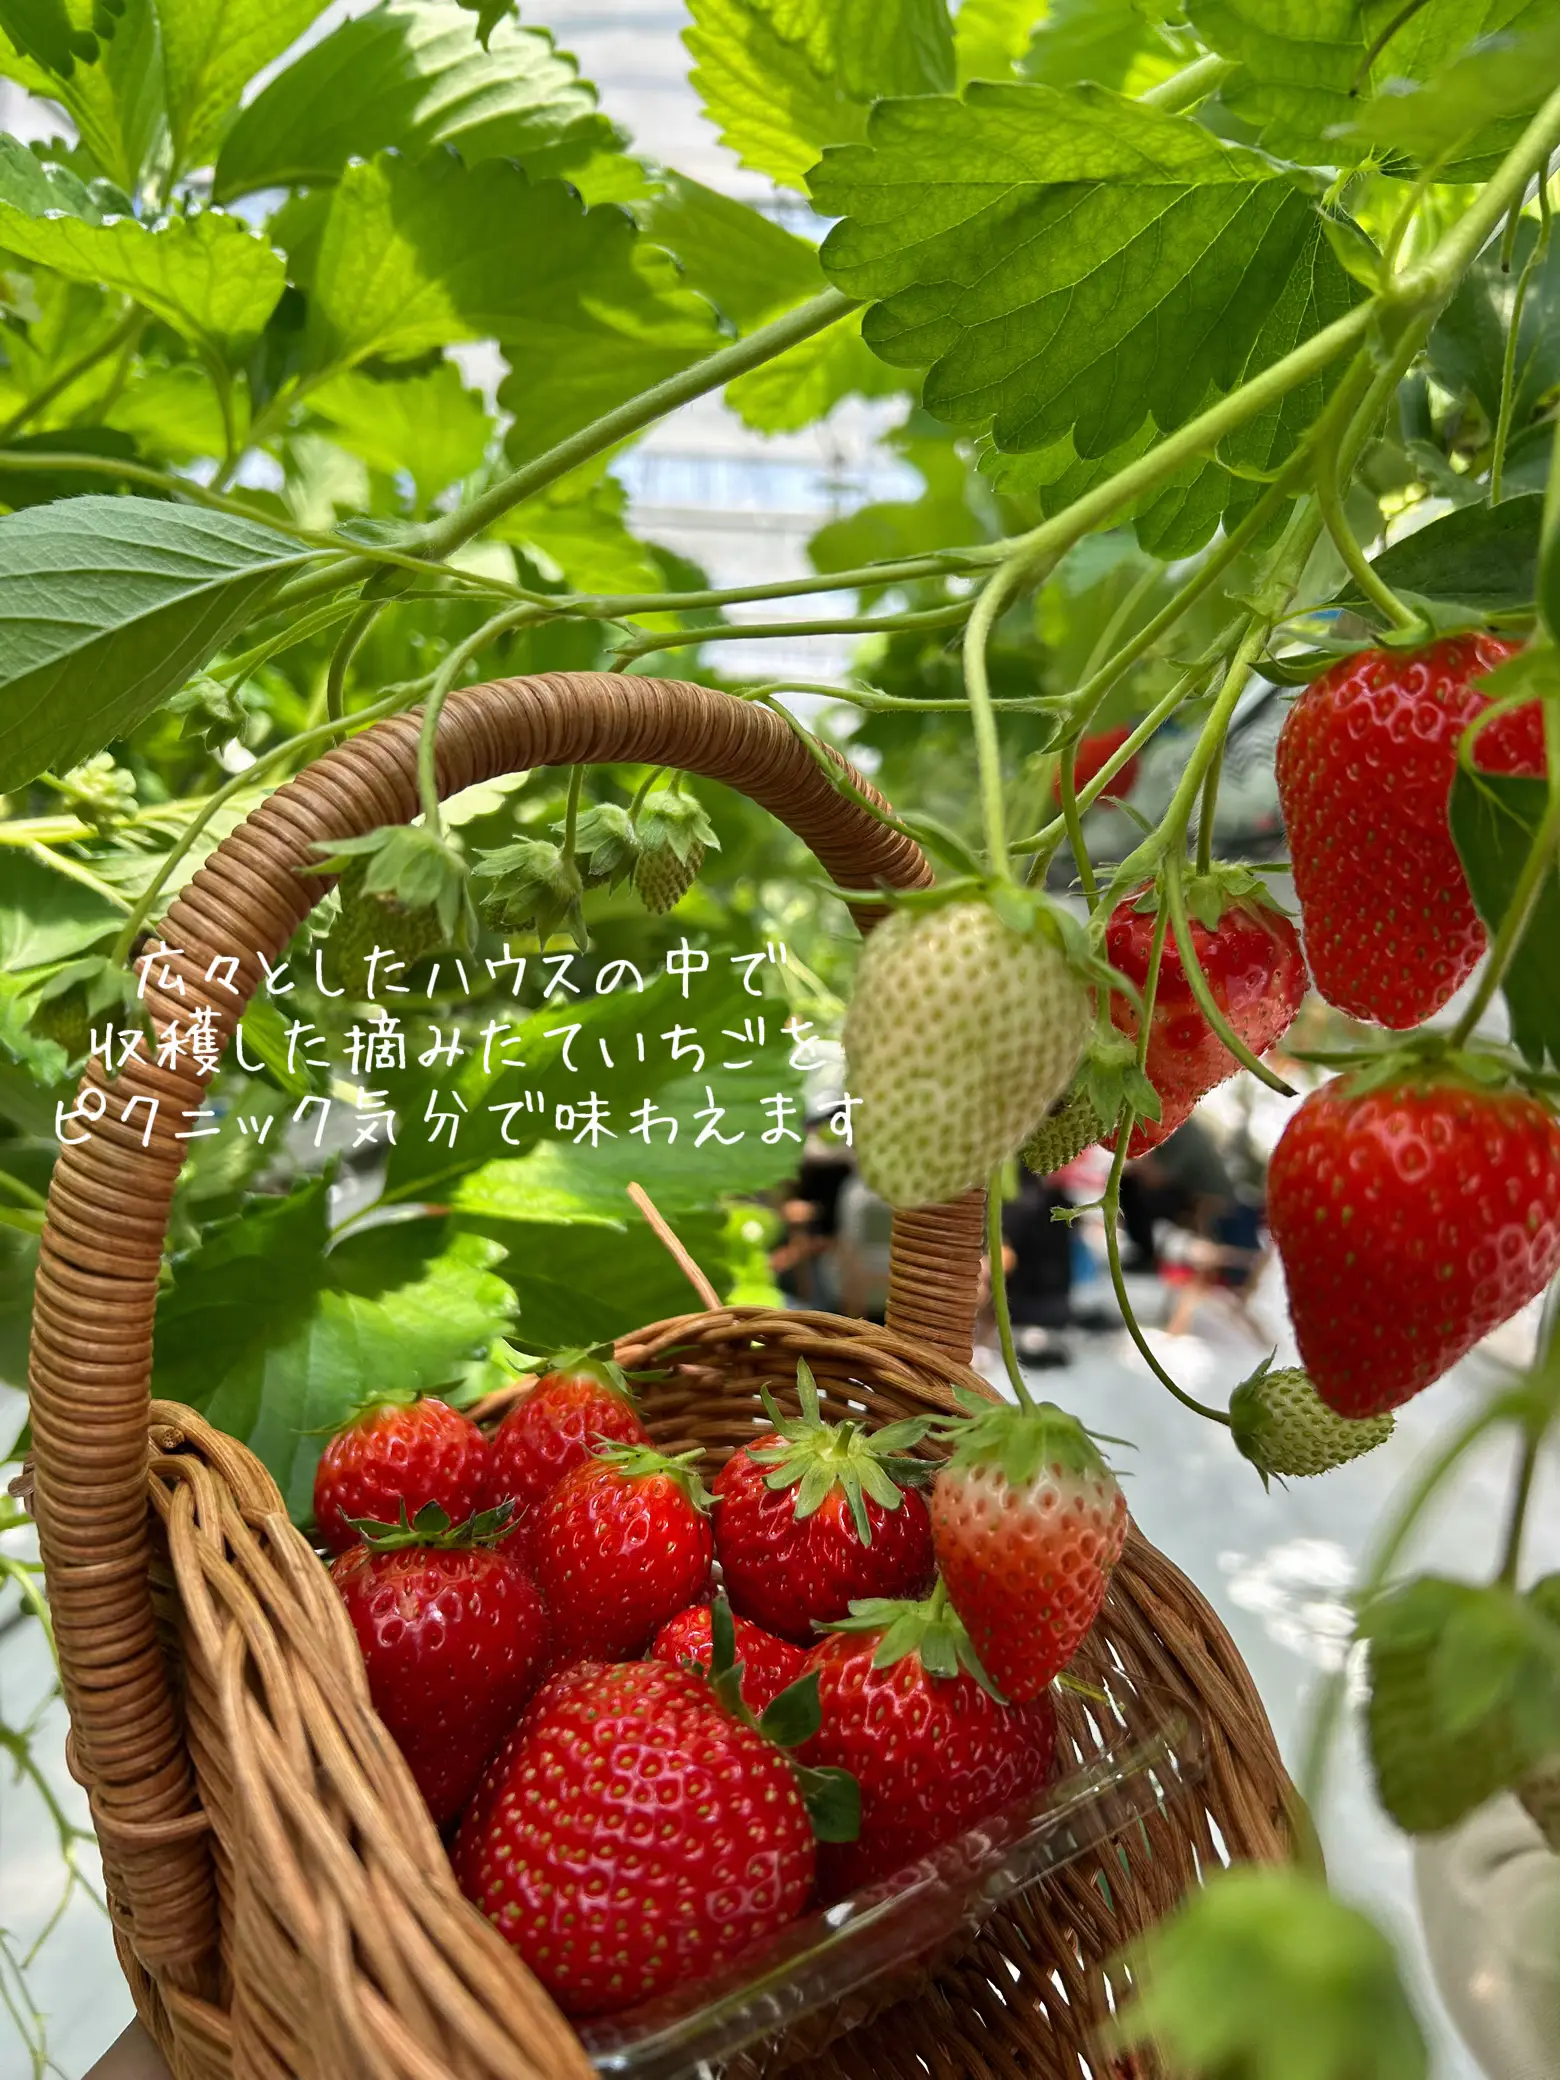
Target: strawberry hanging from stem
x=1027 y=1523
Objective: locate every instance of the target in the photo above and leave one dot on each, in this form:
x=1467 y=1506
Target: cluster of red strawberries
x=1415 y=1200
x=643 y=1772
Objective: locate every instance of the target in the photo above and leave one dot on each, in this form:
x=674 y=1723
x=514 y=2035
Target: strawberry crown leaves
x=102 y=984
x=675 y=823
x=832 y=1796
x=606 y=839
x=638 y=1462
x=1225 y=885
x=931 y=1630
x=1021 y=1442
x=593 y=1361
x=816 y=1457
x=432 y=1527
x=533 y=884
x=411 y=867
x=1428 y=1058
x=1110 y=1077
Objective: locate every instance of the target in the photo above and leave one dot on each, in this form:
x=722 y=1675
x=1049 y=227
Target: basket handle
x=109 y=1201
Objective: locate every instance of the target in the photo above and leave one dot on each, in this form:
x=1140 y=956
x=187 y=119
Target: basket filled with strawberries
x=762 y=1693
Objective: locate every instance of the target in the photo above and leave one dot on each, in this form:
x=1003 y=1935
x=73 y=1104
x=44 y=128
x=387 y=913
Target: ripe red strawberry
x=908 y=1711
x=769 y=1665
x=620 y=1545
x=455 y=1640
x=1250 y=957
x=1092 y=753
x=1413 y=1215
x=1365 y=767
x=633 y=1835
x=581 y=1399
x=1028 y=1522
x=399 y=1455
x=814 y=1515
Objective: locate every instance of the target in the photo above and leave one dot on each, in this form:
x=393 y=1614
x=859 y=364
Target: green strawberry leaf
x=1066 y=264
x=1495 y=818
x=1330 y=82
x=795 y=1715
x=407 y=1303
x=1480 y=558
x=410 y=76
x=833 y=1801
x=1262 y=1972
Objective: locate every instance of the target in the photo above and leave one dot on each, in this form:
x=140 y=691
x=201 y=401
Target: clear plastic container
x=1134 y=1753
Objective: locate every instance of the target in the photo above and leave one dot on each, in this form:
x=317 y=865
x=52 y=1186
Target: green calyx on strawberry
x=816 y=1457
x=1027 y=1523
x=831 y=1796
x=969 y=1013
x=639 y=1461
x=431 y=1527
x=100 y=792
x=1464 y=1694
x=1109 y=1077
x=1282 y=1425
x=413 y=875
x=212 y=711
x=674 y=834
x=532 y=885
x=608 y=843
x=79 y=994
x=594 y=1362
x=1219 y=887
x=931 y=1629
x=1239 y=954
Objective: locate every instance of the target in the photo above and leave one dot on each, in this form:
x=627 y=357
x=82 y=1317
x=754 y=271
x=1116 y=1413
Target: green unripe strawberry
x=1071 y=1126
x=962 y=1029
x=367 y=921
x=1283 y=1425
x=64 y=1019
x=674 y=836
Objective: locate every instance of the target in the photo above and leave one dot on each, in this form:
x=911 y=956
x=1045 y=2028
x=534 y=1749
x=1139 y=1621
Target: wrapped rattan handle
x=110 y=1197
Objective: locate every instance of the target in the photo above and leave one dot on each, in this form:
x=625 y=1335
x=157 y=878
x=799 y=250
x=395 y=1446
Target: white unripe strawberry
x=963 y=1029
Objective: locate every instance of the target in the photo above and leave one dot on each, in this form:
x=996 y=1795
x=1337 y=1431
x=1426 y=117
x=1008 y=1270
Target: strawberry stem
x=1000 y=590
x=571 y=813
x=1329 y=499
x=1175 y=902
x=1208 y=808
x=1508 y=369
x=1110 y=1205
x=1067 y=783
x=999 y=1298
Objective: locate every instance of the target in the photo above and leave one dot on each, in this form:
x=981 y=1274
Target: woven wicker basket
x=282 y=1905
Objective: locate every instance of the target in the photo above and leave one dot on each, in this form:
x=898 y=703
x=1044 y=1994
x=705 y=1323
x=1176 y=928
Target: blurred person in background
x=1185 y=1181
x=863 y=1233
x=805 y=1263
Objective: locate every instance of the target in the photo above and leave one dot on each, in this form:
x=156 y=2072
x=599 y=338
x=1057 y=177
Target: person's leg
x=1139 y=1211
